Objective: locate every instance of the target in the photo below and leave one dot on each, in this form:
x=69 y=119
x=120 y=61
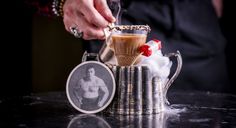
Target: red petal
x=145 y=50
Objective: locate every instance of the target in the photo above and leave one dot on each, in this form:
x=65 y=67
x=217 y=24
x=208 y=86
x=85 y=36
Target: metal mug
x=137 y=92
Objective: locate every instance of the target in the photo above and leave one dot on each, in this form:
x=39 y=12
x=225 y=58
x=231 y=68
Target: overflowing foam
x=175 y=109
x=158 y=63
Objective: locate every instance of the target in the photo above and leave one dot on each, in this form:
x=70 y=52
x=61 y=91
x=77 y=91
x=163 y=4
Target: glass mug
x=125 y=41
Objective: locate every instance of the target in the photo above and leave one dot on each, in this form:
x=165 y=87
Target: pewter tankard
x=137 y=92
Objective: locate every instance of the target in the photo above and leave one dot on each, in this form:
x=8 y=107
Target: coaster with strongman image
x=90 y=87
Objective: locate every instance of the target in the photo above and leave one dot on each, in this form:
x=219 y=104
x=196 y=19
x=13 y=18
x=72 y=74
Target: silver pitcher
x=137 y=92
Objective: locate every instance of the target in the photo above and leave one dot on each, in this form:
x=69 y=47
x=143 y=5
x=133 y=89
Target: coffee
x=126 y=47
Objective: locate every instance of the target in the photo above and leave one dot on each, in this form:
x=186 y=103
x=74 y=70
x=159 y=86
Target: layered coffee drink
x=126 y=40
x=126 y=47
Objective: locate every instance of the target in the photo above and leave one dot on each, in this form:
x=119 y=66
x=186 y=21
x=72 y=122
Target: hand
x=88 y=16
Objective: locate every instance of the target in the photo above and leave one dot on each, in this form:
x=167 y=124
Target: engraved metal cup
x=138 y=92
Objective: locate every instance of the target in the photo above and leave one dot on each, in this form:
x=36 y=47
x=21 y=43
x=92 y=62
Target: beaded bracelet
x=57 y=7
x=61 y=8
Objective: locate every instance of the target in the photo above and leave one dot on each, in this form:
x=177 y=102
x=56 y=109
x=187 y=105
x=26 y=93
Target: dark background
x=37 y=54
x=227 y=23
x=15 y=49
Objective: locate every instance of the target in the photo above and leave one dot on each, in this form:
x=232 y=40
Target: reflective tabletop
x=53 y=110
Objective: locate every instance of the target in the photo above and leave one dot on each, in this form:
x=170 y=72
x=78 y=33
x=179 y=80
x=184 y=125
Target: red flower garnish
x=145 y=50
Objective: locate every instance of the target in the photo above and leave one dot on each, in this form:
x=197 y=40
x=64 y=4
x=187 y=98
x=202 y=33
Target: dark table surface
x=53 y=110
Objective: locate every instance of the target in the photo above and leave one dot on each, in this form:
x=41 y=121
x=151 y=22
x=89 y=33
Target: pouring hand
x=87 y=16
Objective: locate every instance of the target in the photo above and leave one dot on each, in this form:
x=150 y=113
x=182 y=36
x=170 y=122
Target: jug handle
x=89 y=56
x=175 y=75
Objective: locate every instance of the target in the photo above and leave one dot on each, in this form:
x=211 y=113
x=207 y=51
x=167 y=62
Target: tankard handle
x=175 y=75
x=89 y=56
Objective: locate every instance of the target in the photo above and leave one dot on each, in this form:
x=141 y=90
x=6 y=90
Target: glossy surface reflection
x=136 y=121
x=52 y=110
x=88 y=121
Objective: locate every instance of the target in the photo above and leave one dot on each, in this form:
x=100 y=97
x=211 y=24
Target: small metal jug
x=137 y=92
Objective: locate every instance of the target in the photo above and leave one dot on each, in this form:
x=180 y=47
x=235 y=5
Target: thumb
x=104 y=10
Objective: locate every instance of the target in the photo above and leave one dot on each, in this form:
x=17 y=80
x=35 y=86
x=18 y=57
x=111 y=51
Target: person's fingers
x=68 y=20
x=83 y=15
x=81 y=24
x=104 y=10
x=90 y=31
x=92 y=15
x=69 y=16
x=93 y=33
